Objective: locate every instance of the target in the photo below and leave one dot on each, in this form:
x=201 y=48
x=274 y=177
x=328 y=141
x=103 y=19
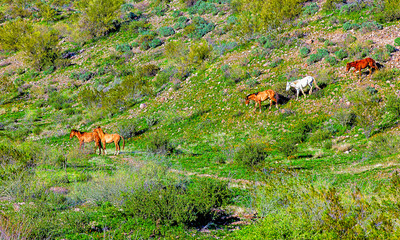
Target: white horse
x=302 y=83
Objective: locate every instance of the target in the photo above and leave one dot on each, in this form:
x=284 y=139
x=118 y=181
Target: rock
x=142 y=105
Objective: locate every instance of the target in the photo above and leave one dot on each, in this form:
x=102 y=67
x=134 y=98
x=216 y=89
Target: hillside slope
x=171 y=78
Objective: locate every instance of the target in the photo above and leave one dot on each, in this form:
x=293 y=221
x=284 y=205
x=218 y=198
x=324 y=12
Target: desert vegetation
x=171 y=78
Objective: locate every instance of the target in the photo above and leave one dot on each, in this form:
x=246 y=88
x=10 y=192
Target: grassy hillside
x=171 y=77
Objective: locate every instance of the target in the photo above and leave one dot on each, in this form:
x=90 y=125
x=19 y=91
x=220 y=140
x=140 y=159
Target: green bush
x=199 y=27
x=99 y=17
x=199 y=52
x=304 y=52
x=40 y=47
x=203 y=7
x=370 y=26
x=149 y=70
x=311 y=9
x=387 y=11
x=159 y=10
x=176 y=13
x=313 y=59
x=58 y=101
x=348 y=26
x=381 y=55
x=331 y=60
x=12 y=32
x=386 y=75
x=341 y=54
x=397 y=41
x=148 y=40
x=123 y=47
x=127 y=129
x=166 y=31
x=185 y=203
x=390 y=48
x=254 y=17
x=160 y=144
x=181 y=23
x=331 y=5
x=250 y=154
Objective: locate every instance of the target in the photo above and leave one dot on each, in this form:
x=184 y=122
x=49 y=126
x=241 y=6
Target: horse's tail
x=276 y=97
x=123 y=143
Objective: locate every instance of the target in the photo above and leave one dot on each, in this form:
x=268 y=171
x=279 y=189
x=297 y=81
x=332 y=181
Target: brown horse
x=361 y=64
x=85 y=137
x=262 y=96
x=109 y=138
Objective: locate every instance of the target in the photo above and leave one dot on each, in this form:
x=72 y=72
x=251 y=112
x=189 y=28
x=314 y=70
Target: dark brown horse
x=109 y=138
x=262 y=96
x=85 y=137
x=361 y=64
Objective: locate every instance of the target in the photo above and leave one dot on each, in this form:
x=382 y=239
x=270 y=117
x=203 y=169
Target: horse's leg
x=270 y=103
x=259 y=105
x=297 y=93
x=302 y=91
x=309 y=93
x=104 y=147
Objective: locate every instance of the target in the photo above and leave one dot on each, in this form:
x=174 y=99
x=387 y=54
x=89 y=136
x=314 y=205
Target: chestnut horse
x=109 y=138
x=85 y=137
x=361 y=64
x=262 y=96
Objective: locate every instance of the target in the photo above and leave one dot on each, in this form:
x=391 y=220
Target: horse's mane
x=74 y=130
x=252 y=94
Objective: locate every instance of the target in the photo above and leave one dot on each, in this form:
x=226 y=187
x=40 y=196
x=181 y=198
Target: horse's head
x=72 y=134
x=287 y=86
x=348 y=66
x=247 y=99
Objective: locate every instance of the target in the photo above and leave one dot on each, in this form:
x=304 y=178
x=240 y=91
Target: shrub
x=159 y=10
x=397 y=41
x=123 y=47
x=331 y=5
x=304 y=52
x=148 y=40
x=99 y=17
x=40 y=47
x=12 y=32
x=253 y=16
x=311 y=9
x=390 y=48
x=313 y=59
x=149 y=70
x=250 y=155
x=177 y=203
x=370 y=26
x=341 y=54
x=83 y=75
x=381 y=55
x=387 y=11
x=127 y=129
x=203 y=7
x=331 y=60
x=386 y=75
x=166 y=31
x=199 y=27
x=225 y=47
x=199 y=52
x=181 y=23
x=160 y=144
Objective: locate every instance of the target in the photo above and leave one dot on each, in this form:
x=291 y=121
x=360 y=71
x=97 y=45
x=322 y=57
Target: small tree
x=99 y=16
x=40 y=47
